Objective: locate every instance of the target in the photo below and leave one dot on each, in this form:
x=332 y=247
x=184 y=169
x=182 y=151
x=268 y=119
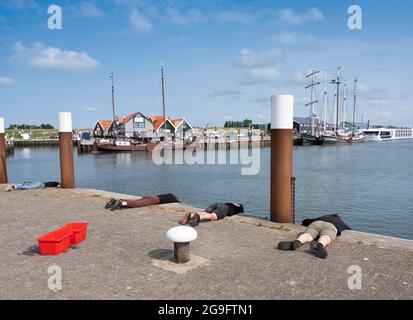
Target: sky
x=223 y=59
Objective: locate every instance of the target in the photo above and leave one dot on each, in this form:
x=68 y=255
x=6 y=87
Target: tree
x=246 y=123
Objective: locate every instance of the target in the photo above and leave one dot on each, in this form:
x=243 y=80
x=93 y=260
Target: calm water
x=370 y=185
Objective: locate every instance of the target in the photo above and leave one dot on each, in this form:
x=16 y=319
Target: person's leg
x=308 y=235
x=208 y=216
x=325 y=240
x=195 y=217
x=148 y=200
x=305 y=238
x=328 y=234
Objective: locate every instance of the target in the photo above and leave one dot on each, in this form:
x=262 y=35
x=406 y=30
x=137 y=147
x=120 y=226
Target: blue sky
x=223 y=59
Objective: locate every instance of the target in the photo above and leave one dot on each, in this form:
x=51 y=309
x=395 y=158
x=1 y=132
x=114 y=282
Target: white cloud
x=40 y=56
x=19 y=4
x=259 y=68
x=288 y=16
x=6 y=81
x=91 y=109
x=249 y=59
x=129 y=4
x=185 y=19
x=233 y=16
x=260 y=76
x=86 y=9
x=139 y=22
x=293 y=38
x=89 y=9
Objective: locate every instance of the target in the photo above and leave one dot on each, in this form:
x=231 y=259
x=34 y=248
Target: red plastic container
x=55 y=242
x=78 y=231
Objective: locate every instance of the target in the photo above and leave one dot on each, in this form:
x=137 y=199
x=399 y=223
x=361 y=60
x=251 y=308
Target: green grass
x=34 y=134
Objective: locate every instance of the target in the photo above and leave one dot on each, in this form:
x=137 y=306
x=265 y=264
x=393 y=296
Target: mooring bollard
x=3 y=166
x=67 y=171
x=182 y=236
x=281 y=157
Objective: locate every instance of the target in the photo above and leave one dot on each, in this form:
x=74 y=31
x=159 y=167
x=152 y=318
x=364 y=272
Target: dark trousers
x=148 y=200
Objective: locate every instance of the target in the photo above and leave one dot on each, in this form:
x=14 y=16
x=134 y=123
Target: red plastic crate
x=78 y=231
x=54 y=243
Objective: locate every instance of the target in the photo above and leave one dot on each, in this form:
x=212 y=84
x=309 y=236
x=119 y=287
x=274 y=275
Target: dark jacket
x=234 y=208
x=226 y=209
x=333 y=219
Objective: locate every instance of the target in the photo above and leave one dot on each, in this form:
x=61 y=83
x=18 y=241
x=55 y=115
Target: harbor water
x=370 y=184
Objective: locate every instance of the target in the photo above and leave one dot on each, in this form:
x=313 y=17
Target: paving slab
x=239 y=259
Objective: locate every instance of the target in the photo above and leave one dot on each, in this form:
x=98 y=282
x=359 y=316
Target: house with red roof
x=135 y=126
x=101 y=129
x=182 y=127
x=159 y=124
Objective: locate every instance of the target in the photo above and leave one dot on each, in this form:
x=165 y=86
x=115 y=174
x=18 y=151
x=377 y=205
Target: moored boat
x=123 y=146
x=310 y=140
x=386 y=134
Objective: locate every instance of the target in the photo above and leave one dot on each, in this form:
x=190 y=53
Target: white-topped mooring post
x=282 y=110
x=67 y=171
x=182 y=236
x=3 y=166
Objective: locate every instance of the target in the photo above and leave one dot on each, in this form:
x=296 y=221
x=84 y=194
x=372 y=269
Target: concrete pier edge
x=126 y=255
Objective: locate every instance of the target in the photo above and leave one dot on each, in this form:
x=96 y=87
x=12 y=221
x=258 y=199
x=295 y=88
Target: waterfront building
x=182 y=127
x=135 y=125
x=101 y=129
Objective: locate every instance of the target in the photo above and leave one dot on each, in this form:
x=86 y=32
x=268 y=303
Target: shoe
x=194 y=221
x=185 y=218
x=110 y=203
x=319 y=251
x=289 y=245
x=313 y=244
x=117 y=205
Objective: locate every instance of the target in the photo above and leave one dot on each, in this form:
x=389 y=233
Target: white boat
x=386 y=134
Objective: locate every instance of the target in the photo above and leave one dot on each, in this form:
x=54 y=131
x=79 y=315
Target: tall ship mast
x=113 y=103
x=310 y=138
x=163 y=100
x=337 y=82
x=325 y=102
x=312 y=101
x=354 y=106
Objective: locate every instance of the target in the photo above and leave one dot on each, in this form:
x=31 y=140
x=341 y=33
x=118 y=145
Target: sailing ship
x=122 y=143
x=118 y=144
x=169 y=143
x=312 y=138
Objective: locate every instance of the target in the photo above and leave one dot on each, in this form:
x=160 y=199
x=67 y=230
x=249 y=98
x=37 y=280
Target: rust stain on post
x=282 y=111
x=281 y=173
x=67 y=171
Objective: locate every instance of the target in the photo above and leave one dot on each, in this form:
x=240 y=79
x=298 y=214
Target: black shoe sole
x=319 y=252
x=194 y=221
x=286 y=245
x=110 y=203
x=116 y=205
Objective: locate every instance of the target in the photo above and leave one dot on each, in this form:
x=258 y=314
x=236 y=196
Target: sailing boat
x=118 y=144
x=312 y=138
x=168 y=144
x=335 y=137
